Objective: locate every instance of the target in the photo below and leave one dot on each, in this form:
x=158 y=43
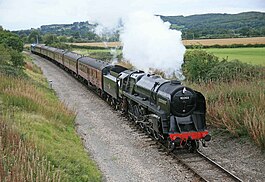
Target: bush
x=11 y=61
x=11 y=71
x=5 y=56
x=201 y=66
x=104 y=56
x=197 y=65
x=224 y=46
x=61 y=46
x=227 y=71
x=11 y=58
x=11 y=40
x=87 y=47
x=17 y=59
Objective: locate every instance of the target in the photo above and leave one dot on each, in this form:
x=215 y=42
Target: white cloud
x=17 y=14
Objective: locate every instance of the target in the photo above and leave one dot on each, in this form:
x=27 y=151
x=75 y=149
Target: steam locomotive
x=165 y=109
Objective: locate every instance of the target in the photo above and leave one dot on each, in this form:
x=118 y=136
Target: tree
x=11 y=40
x=91 y=35
x=11 y=57
x=50 y=39
x=63 y=38
x=17 y=59
x=35 y=37
x=197 y=64
x=71 y=39
x=15 y=43
x=24 y=37
x=5 y=56
x=76 y=35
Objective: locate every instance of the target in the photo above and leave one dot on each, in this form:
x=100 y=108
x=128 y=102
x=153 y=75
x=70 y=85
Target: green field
x=254 y=56
x=103 y=54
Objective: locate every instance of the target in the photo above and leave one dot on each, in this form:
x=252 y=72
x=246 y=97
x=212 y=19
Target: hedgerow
x=201 y=66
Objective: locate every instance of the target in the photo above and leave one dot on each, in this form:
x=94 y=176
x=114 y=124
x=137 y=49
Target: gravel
x=122 y=154
x=238 y=155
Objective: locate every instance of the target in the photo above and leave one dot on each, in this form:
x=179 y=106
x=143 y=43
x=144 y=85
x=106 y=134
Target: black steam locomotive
x=166 y=109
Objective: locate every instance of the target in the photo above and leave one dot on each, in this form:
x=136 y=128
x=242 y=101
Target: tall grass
x=237 y=107
x=21 y=160
x=25 y=96
x=42 y=119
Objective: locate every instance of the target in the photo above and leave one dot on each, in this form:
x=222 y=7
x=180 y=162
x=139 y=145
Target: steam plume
x=148 y=42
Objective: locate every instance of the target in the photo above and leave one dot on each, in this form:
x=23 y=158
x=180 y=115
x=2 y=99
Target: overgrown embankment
x=235 y=93
x=37 y=133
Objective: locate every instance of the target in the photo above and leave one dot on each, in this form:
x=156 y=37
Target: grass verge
x=33 y=108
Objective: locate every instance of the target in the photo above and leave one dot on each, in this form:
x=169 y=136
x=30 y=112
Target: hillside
x=82 y=31
x=247 y=24
x=68 y=29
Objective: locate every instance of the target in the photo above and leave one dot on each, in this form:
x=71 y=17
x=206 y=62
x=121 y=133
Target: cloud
x=17 y=14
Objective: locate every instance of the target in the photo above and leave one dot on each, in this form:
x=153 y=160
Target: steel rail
x=220 y=167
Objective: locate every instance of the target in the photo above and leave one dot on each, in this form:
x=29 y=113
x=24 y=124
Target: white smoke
x=114 y=53
x=148 y=42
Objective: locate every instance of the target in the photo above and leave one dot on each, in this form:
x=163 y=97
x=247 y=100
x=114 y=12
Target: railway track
x=203 y=167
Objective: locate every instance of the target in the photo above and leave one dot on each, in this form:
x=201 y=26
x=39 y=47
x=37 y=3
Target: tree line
x=76 y=32
x=205 y=26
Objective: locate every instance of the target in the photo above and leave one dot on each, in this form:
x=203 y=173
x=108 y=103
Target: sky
x=26 y=14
